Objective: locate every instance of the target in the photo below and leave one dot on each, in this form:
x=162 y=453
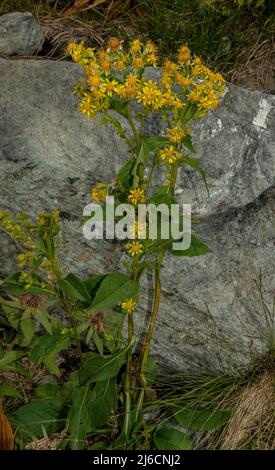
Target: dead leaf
x=6 y=434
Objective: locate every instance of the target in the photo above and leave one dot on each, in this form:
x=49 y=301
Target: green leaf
x=45 y=348
x=163 y=195
x=38 y=415
x=171 y=439
x=140 y=161
x=187 y=142
x=197 y=248
x=9 y=391
x=155 y=143
x=79 y=416
x=113 y=289
x=124 y=176
x=92 y=283
x=28 y=329
x=42 y=317
x=98 y=342
x=49 y=391
x=74 y=288
x=98 y=368
x=9 y=358
x=105 y=403
x=113 y=326
x=190 y=113
x=201 y=420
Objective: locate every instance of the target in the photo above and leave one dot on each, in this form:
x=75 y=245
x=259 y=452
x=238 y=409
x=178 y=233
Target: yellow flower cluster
x=114 y=72
x=28 y=233
x=99 y=192
x=128 y=305
x=176 y=134
x=17 y=228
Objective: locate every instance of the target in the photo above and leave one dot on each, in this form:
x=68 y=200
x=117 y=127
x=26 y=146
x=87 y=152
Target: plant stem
x=144 y=353
x=132 y=125
x=128 y=373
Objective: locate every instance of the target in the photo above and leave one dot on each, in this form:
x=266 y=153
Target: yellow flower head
x=114 y=44
x=136 y=196
x=151 y=59
x=120 y=64
x=184 y=55
x=87 y=107
x=106 y=66
x=138 y=63
x=182 y=80
x=176 y=134
x=170 y=154
x=134 y=248
x=135 y=46
x=197 y=61
x=110 y=87
x=99 y=192
x=101 y=54
x=128 y=305
x=150 y=95
x=169 y=66
x=132 y=80
x=94 y=81
x=196 y=70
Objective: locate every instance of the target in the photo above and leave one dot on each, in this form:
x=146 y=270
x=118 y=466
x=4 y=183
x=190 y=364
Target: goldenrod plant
x=53 y=314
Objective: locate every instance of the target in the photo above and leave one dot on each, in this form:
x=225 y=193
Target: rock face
x=211 y=314
x=20 y=34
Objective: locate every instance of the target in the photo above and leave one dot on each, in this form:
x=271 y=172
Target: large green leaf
x=97 y=368
x=74 y=288
x=197 y=248
x=105 y=403
x=201 y=420
x=113 y=289
x=79 y=416
x=49 y=391
x=38 y=415
x=92 y=283
x=171 y=439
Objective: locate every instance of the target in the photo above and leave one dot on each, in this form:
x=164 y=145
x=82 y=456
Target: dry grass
x=253 y=421
x=61 y=30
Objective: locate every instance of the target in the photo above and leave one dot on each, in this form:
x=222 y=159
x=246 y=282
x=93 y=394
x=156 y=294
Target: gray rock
x=211 y=314
x=20 y=34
